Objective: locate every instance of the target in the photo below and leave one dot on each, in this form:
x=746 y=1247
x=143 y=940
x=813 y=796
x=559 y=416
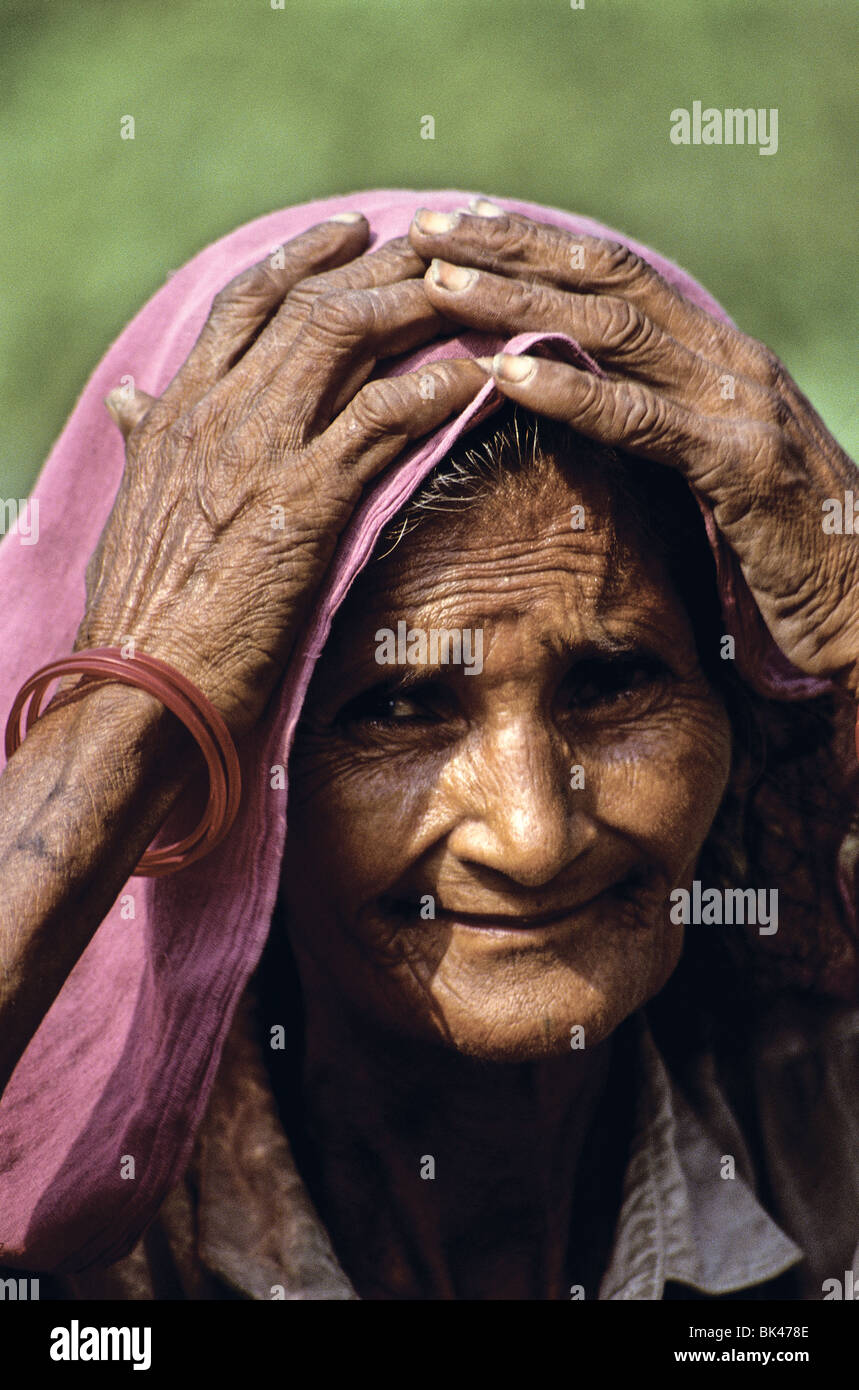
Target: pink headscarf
x=125 y=1059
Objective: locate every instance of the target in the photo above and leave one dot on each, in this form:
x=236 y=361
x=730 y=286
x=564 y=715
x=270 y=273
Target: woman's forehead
x=554 y=544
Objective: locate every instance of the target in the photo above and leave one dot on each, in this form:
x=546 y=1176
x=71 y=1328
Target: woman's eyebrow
x=392 y=680
x=605 y=647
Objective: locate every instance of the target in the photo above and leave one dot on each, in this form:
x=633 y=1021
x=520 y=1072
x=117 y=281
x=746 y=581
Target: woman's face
x=483 y=857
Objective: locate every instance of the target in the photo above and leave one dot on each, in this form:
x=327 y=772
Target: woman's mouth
x=418 y=913
x=507 y=921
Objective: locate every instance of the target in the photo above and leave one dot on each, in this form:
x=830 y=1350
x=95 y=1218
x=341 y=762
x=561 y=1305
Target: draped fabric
x=124 y=1061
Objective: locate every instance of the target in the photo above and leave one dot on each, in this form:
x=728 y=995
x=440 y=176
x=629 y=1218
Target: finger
x=385 y=265
x=617 y=333
x=391 y=263
x=500 y=241
x=344 y=333
x=389 y=413
x=620 y=336
x=244 y=305
x=622 y=413
x=127 y=410
x=516 y=246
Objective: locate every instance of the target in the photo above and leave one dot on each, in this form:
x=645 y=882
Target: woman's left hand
x=682 y=388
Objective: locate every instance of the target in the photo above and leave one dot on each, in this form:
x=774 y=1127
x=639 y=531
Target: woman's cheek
x=663 y=784
x=354 y=817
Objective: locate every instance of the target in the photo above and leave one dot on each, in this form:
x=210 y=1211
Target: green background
x=241 y=109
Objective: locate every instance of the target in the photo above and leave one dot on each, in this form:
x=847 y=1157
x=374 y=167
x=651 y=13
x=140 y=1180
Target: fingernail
x=513 y=368
x=451 y=277
x=485 y=363
x=347 y=217
x=481 y=207
x=430 y=221
x=112 y=401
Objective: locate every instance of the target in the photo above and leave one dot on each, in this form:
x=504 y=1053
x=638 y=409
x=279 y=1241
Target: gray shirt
x=243 y=1225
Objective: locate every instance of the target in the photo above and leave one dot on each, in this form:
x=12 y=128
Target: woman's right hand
x=242 y=475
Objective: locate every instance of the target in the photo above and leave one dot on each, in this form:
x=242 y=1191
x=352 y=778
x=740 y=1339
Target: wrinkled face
x=484 y=856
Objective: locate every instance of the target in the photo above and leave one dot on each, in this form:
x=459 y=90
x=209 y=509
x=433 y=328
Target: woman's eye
x=397 y=707
x=612 y=682
x=392 y=707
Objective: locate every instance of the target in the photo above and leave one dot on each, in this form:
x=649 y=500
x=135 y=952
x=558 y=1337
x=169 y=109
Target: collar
x=679 y=1219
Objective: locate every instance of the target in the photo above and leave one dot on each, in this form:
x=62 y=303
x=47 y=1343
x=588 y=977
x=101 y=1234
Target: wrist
x=131 y=728
x=168 y=687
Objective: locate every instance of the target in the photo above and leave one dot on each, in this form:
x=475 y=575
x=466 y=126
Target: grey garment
x=242 y=1224
x=683 y=1218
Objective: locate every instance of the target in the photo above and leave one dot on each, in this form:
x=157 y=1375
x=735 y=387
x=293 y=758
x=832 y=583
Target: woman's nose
x=519 y=808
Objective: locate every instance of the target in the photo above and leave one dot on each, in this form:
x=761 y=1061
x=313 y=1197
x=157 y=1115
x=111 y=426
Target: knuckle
x=221 y=301
x=377 y=403
x=309 y=289
x=234 y=292
x=620 y=264
x=626 y=329
x=530 y=304
x=593 y=400
x=541 y=302
x=235 y=469
x=245 y=291
x=190 y=431
x=518 y=238
x=255 y=435
x=349 y=314
x=646 y=418
x=226 y=303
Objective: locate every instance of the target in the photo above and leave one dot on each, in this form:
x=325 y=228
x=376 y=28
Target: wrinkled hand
x=681 y=388
x=241 y=476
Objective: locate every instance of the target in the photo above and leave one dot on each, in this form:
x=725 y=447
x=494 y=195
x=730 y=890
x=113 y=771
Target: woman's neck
x=442 y=1176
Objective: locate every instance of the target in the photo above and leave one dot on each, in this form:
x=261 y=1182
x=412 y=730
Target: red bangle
x=188 y=703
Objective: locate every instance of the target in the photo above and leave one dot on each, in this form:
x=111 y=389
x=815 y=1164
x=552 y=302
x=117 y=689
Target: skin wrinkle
x=469 y=801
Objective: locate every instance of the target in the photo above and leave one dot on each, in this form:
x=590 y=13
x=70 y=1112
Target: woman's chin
x=553 y=1013
x=501 y=995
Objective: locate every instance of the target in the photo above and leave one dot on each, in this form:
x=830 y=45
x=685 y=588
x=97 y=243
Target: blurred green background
x=241 y=108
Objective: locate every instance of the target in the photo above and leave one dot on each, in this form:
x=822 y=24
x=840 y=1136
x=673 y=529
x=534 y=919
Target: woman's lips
x=620 y=892
x=496 y=921
x=503 y=921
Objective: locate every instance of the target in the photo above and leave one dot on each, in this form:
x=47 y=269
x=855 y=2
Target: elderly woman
x=550 y=990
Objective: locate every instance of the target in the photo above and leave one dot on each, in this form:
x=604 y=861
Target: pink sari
x=125 y=1059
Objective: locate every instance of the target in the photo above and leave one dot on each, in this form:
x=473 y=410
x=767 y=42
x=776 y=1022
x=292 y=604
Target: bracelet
x=188 y=703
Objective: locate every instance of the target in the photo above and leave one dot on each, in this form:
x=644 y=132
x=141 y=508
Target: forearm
x=79 y=803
